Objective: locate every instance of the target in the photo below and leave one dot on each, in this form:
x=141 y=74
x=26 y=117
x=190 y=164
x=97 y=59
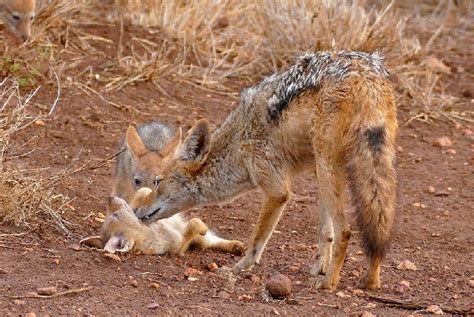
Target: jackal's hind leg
x=331 y=183
x=270 y=214
x=194 y=228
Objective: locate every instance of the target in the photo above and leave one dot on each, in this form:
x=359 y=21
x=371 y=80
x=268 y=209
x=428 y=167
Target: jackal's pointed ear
x=93 y=241
x=195 y=146
x=114 y=204
x=173 y=143
x=134 y=143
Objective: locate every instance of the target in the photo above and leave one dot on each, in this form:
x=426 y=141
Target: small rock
x=223 y=295
x=155 y=285
x=367 y=314
x=153 y=305
x=245 y=298
x=40 y=123
x=30 y=314
x=191 y=272
x=342 y=295
x=407 y=265
x=431 y=189
x=358 y=292
x=404 y=284
x=112 y=256
x=434 y=309
x=442 y=142
x=56 y=261
x=419 y=205
x=47 y=291
x=19 y=302
x=134 y=283
x=371 y=306
x=471 y=283
x=193 y=279
x=75 y=247
x=279 y=285
x=212 y=267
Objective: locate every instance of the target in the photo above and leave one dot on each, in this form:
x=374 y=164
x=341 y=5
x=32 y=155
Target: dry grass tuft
x=25 y=195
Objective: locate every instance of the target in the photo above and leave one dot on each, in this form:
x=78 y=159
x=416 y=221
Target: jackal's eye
x=137 y=182
x=16 y=17
x=157 y=182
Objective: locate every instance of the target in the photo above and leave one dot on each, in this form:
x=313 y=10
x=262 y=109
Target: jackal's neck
x=224 y=175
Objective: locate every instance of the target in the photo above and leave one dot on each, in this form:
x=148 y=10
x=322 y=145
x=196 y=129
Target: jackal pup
x=122 y=231
x=143 y=150
x=332 y=112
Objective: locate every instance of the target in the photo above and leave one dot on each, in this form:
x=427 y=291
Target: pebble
x=279 y=285
x=404 y=284
x=442 y=142
x=342 y=295
x=30 y=314
x=153 y=305
x=19 y=302
x=407 y=265
x=367 y=314
x=40 y=123
x=191 y=272
x=471 y=283
x=212 y=267
x=434 y=309
x=431 y=190
x=112 y=256
x=134 y=283
x=47 y=291
x=155 y=285
x=450 y=151
x=223 y=295
x=75 y=247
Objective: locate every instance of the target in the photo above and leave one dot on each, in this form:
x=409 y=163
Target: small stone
x=407 y=265
x=30 y=314
x=471 y=283
x=404 y=284
x=442 y=142
x=342 y=295
x=245 y=298
x=155 y=285
x=279 y=285
x=40 y=123
x=371 y=306
x=367 y=314
x=358 y=292
x=19 y=302
x=134 y=283
x=153 y=305
x=212 y=267
x=56 y=261
x=450 y=151
x=112 y=256
x=223 y=295
x=434 y=309
x=192 y=279
x=47 y=291
x=446 y=213
x=75 y=247
x=191 y=272
x=431 y=189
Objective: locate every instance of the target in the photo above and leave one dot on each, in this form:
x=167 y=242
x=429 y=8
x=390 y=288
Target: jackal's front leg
x=272 y=209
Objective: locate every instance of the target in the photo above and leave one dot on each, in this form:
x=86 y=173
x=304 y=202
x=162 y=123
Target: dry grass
x=25 y=195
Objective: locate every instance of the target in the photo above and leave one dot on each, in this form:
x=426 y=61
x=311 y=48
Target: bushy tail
x=372 y=181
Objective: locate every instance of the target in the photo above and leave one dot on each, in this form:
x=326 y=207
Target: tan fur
x=332 y=112
x=18 y=16
x=122 y=231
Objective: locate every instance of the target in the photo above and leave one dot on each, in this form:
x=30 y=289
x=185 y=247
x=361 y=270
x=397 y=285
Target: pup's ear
x=93 y=241
x=195 y=147
x=173 y=143
x=134 y=143
x=119 y=244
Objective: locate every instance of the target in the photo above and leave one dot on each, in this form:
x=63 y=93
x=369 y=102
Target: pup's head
x=146 y=163
x=122 y=231
x=18 y=16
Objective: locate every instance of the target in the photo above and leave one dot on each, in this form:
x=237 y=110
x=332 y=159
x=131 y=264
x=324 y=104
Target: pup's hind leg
x=211 y=241
x=194 y=228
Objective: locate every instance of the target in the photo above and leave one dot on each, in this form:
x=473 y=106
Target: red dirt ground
x=437 y=236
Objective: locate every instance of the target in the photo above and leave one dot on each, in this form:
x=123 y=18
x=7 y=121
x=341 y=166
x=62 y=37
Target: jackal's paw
x=319 y=268
x=324 y=282
x=245 y=264
x=370 y=283
x=237 y=248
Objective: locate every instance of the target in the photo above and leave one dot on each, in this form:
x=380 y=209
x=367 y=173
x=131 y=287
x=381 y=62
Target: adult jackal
x=18 y=16
x=333 y=112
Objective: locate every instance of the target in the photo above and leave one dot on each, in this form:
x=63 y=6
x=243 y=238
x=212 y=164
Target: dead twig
x=64 y=293
x=405 y=304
